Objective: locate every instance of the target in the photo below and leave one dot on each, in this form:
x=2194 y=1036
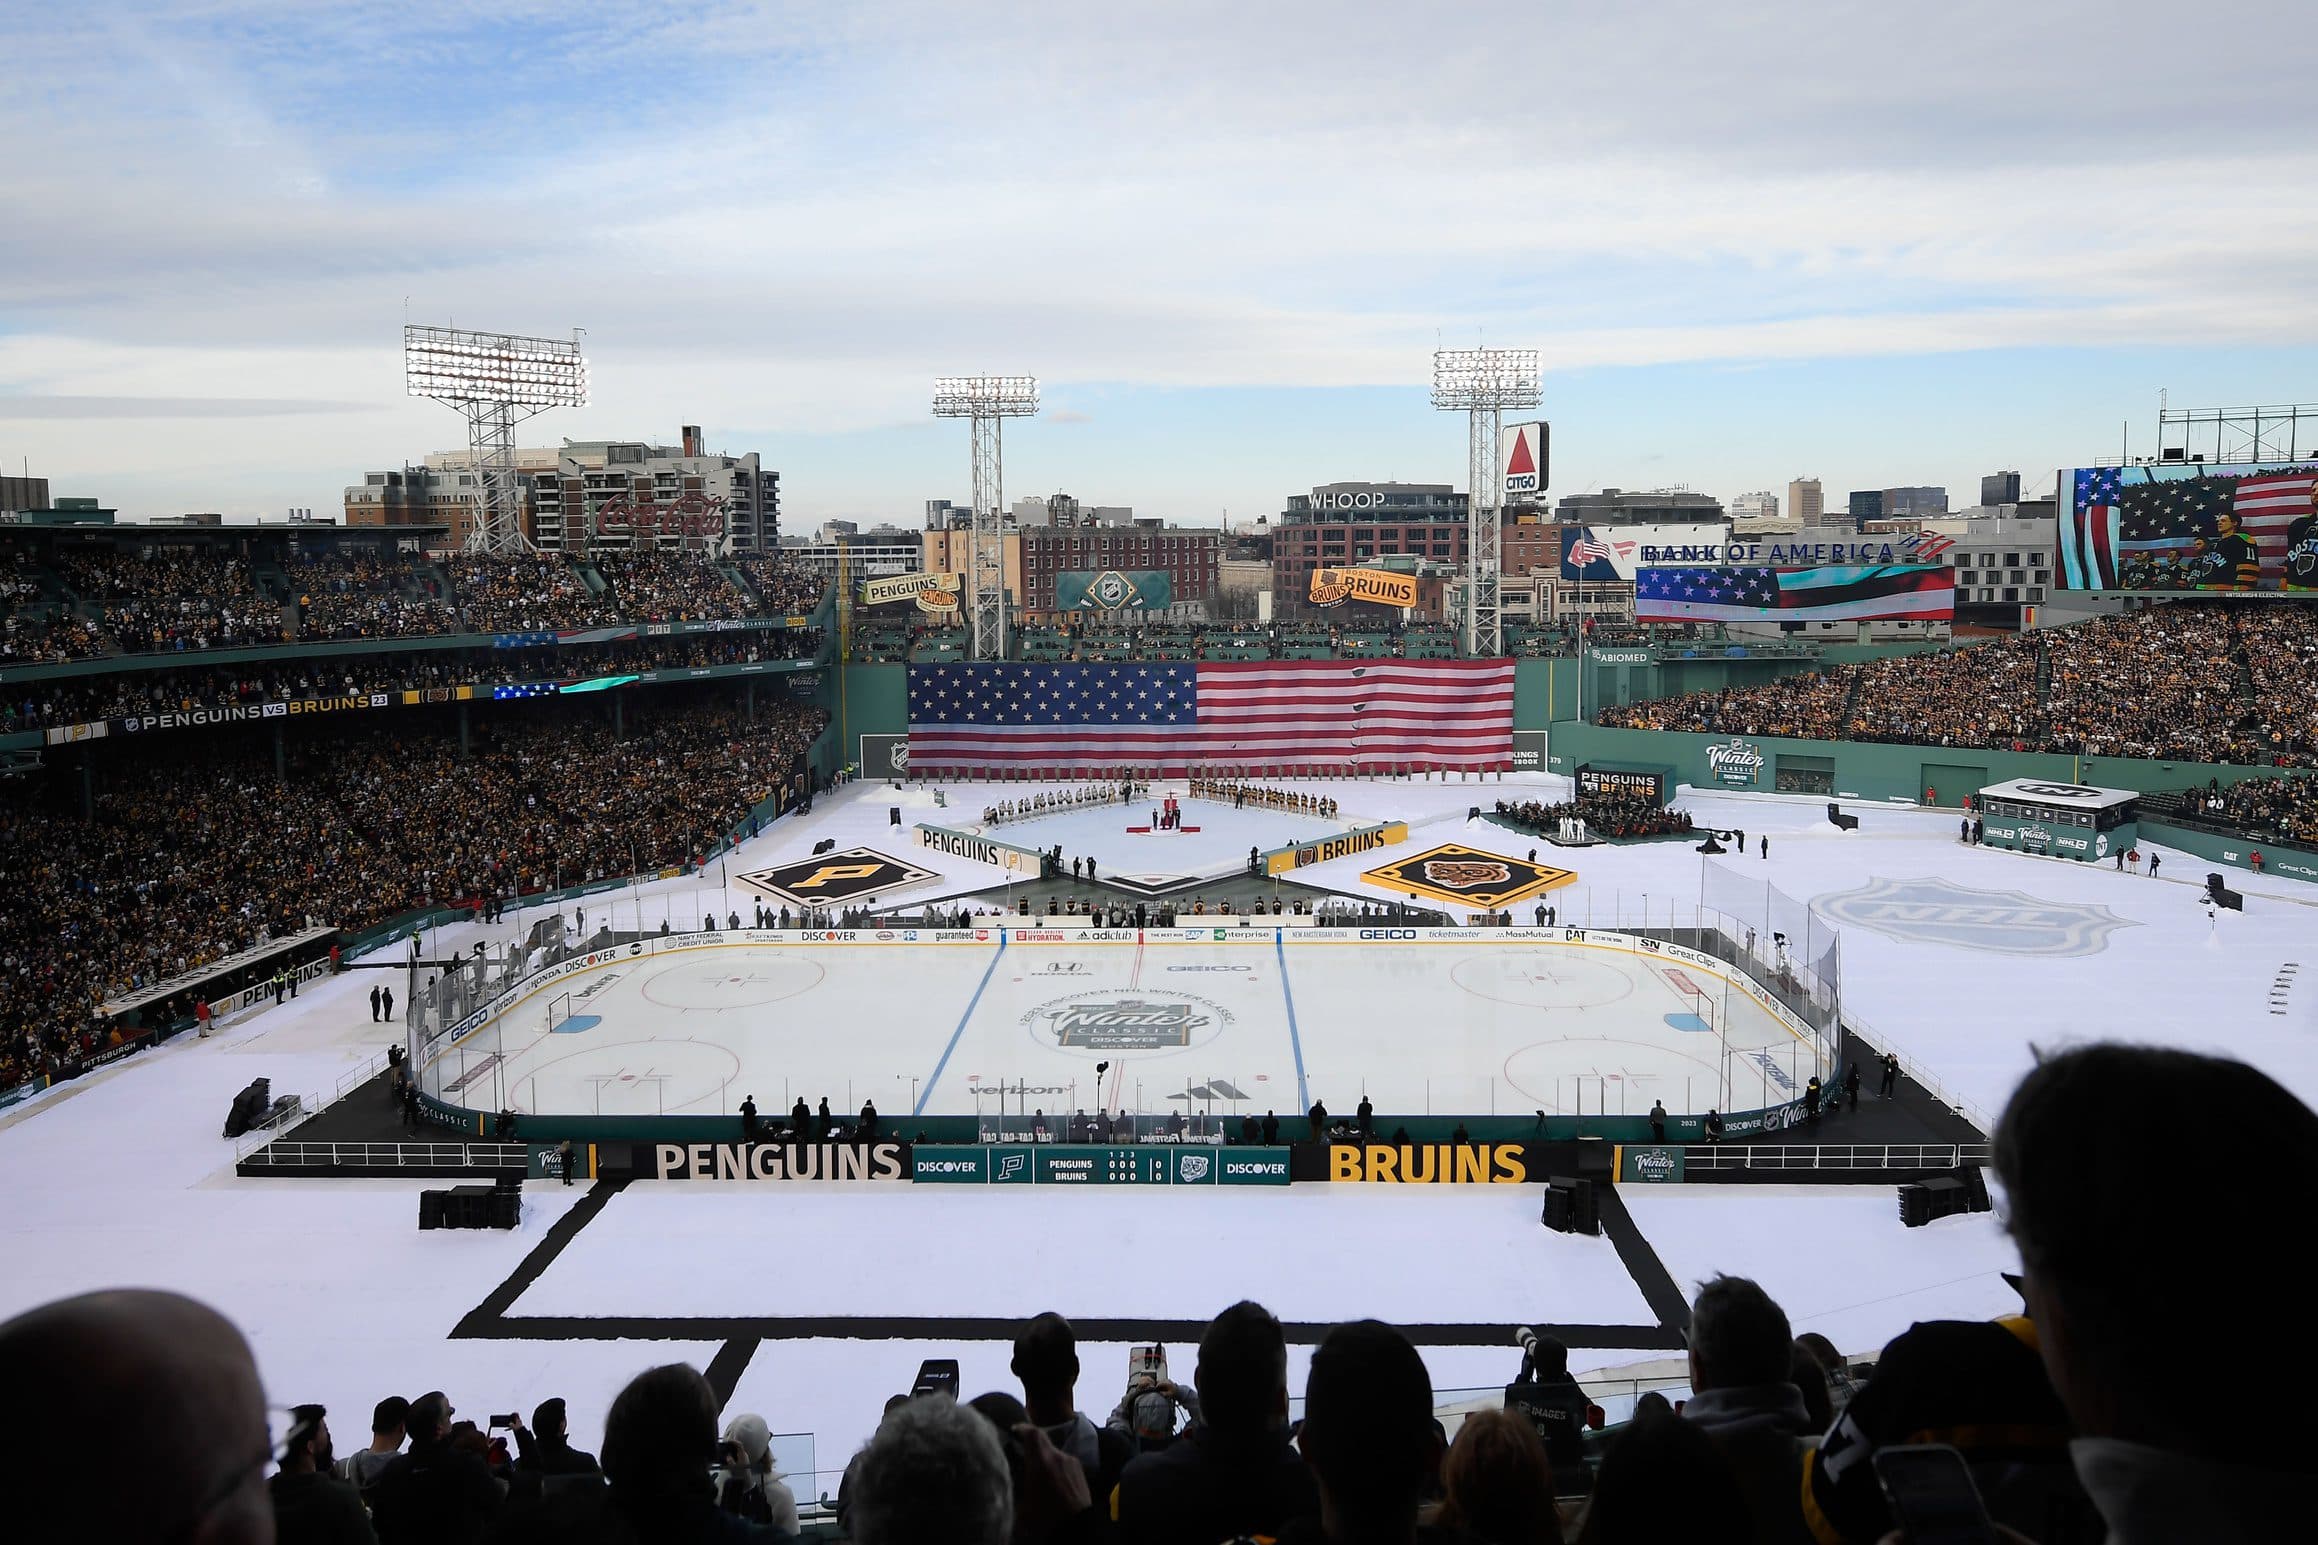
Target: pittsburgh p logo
x=836 y=879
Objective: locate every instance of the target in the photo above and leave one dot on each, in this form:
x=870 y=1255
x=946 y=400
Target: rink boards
x=1220 y=1019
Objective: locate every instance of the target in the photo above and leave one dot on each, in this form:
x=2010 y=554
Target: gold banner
x=904 y=587
x=1332 y=587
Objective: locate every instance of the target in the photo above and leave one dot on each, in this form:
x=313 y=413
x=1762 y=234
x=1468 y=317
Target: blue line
x=1295 y=1041
x=989 y=972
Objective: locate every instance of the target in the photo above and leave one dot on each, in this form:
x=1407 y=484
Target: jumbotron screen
x=2248 y=528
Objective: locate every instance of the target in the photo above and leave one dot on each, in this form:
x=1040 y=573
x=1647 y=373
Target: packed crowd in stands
x=195 y=856
x=44 y=704
x=2188 y=681
x=173 y=600
x=96 y=601
x=357 y=594
x=529 y=594
x=1605 y=815
x=671 y=587
x=2059 y=1423
x=786 y=587
x=2267 y=809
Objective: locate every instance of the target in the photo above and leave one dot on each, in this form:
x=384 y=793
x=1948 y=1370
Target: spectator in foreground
x=2100 y=1275
x=1496 y=1483
x=544 y=1448
x=139 y=1417
x=1741 y=1357
x=1046 y=1360
x=364 y=1466
x=1663 y=1479
x=746 y=1482
x=312 y=1506
x=1841 y=1383
x=659 y=1441
x=1368 y=1434
x=1235 y=1474
x=438 y=1493
x=934 y=1472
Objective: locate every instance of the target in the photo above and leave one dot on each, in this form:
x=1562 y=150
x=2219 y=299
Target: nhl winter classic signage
x=1736 y=762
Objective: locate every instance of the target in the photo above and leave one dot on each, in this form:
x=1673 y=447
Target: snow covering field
x=121 y=1178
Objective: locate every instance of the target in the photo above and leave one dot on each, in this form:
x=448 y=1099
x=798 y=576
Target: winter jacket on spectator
x=1209 y=1487
x=434 y=1495
x=314 y=1508
x=1763 y=1430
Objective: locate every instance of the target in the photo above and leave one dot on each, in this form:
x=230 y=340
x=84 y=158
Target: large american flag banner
x=2160 y=528
x=1269 y=718
x=1830 y=593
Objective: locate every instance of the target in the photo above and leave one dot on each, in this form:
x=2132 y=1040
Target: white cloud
x=793 y=216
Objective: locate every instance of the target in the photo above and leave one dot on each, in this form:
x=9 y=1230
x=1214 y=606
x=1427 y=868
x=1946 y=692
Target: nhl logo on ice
x=1934 y=911
x=1146 y=1019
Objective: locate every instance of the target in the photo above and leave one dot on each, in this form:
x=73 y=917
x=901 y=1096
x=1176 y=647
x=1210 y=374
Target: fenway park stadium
x=501 y=973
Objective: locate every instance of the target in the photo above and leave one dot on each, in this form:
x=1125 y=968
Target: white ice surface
x=729 y=1249
x=122 y=1178
x=1836 y=1258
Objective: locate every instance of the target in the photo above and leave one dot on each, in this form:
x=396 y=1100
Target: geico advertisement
x=773 y=1161
x=1429 y=1164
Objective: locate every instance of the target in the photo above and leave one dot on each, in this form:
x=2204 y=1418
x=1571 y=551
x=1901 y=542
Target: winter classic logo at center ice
x=1139 y=1019
x=1931 y=911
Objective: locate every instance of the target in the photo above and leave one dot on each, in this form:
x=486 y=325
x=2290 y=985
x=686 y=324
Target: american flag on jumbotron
x=1174 y=717
x=2117 y=512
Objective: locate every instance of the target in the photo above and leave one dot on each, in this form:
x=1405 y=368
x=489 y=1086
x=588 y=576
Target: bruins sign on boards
x=1333 y=587
x=1429 y=1164
x=1469 y=877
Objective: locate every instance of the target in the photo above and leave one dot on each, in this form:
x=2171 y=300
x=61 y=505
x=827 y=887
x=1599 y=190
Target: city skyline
x=1227 y=252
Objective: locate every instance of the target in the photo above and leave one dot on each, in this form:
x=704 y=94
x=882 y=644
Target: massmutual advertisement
x=1114 y=590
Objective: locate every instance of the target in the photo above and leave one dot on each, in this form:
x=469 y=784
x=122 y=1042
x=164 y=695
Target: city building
x=1914 y=503
x=2000 y=488
x=2003 y=563
x=841 y=546
x=425 y=495
x=592 y=495
x=1806 y=502
x=1757 y=507
x=1865 y=504
x=1628 y=507
x=23 y=493
x=1347 y=525
x=1189 y=558
x=618 y=494
x=1062 y=510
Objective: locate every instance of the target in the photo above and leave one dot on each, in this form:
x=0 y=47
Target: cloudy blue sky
x=1750 y=242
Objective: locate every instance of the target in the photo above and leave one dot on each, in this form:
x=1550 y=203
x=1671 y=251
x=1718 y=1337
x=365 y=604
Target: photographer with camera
x=1555 y=1405
x=746 y=1483
x=1235 y=1474
x=1146 y=1413
x=544 y=1457
x=438 y=1493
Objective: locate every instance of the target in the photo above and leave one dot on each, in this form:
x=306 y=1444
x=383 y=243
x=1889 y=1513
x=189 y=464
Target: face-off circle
x=749 y=980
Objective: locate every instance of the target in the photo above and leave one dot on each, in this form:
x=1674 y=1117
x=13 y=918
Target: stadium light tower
x=497 y=380
x=988 y=401
x=1483 y=383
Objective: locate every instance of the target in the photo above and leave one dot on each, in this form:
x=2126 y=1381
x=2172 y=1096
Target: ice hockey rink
x=1245 y=1020
x=345 y=1300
